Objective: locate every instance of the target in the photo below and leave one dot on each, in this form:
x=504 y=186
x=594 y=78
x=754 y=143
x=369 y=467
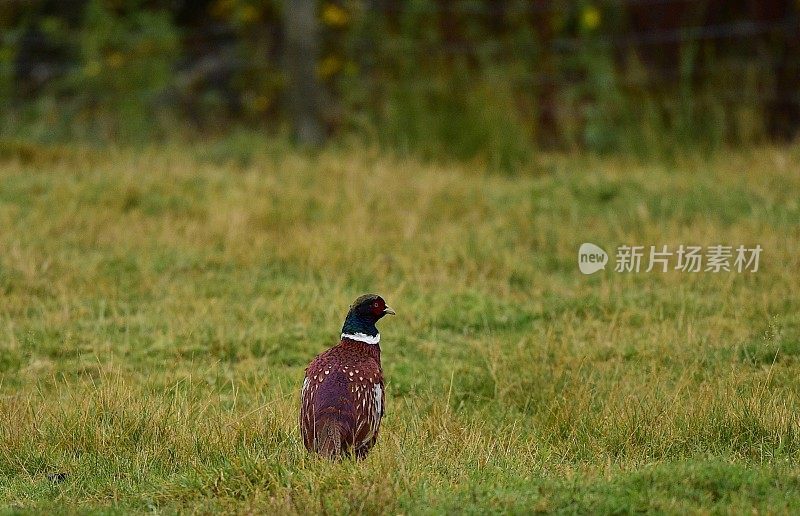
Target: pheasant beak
x=389 y=311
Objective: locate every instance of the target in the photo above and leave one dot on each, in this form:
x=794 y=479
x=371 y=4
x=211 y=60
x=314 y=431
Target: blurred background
x=493 y=81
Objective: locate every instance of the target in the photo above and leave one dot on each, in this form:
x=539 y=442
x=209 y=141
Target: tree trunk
x=304 y=93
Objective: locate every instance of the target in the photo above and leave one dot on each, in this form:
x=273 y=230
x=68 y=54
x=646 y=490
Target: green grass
x=157 y=307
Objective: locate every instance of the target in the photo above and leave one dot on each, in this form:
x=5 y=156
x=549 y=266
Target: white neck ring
x=363 y=337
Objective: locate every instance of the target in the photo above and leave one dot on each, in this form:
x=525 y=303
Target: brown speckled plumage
x=342 y=399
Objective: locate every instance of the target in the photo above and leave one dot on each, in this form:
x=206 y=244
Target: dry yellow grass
x=157 y=308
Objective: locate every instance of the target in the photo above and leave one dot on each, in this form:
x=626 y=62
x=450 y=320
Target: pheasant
x=341 y=403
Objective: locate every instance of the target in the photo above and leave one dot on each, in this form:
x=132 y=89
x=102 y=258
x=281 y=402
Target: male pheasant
x=342 y=399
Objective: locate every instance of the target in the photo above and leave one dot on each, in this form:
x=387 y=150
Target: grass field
x=158 y=306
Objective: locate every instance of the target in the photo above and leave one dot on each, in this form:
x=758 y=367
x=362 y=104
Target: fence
x=561 y=72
